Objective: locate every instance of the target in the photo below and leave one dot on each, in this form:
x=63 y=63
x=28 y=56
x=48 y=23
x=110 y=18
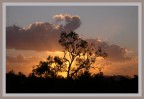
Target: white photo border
x=139 y=94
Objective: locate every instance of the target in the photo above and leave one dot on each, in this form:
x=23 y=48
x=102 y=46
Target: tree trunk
x=69 y=68
x=68 y=73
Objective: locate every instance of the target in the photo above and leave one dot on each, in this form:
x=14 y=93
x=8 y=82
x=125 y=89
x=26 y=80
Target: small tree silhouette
x=49 y=68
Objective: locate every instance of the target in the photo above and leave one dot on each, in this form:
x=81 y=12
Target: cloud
x=124 y=65
x=71 y=22
x=115 y=52
x=21 y=63
x=129 y=67
x=44 y=36
x=40 y=36
x=22 y=59
x=120 y=61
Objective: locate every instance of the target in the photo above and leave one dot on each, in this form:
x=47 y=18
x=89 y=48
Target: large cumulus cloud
x=40 y=36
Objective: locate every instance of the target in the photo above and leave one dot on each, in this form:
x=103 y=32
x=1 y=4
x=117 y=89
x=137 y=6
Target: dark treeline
x=19 y=83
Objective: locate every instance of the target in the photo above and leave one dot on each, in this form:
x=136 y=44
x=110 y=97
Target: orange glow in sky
x=109 y=68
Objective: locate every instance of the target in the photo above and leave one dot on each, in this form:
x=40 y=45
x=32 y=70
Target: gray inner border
x=75 y=4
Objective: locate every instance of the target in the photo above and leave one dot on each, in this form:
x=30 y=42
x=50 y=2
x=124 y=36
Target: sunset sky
x=32 y=34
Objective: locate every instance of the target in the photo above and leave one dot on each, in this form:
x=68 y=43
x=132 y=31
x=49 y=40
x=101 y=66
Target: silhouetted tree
x=78 y=50
x=75 y=50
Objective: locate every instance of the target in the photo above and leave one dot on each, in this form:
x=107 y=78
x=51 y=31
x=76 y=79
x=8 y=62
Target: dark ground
x=83 y=84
